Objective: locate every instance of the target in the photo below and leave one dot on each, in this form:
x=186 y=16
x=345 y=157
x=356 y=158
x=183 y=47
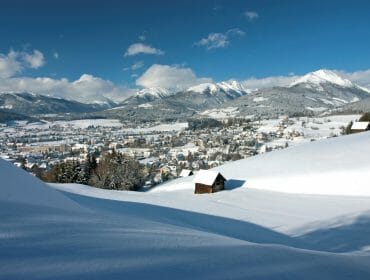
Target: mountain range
x=314 y=93
x=26 y=103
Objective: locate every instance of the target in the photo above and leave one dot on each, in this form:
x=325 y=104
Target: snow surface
x=311 y=128
x=17 y=186
x=169 y=233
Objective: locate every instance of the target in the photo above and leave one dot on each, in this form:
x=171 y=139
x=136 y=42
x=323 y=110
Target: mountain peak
x=322 y=76
x=226 y=86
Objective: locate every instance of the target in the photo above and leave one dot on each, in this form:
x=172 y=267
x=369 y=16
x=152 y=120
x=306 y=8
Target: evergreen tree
x=116 y=171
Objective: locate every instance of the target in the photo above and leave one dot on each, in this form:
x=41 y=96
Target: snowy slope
x=18 y=186
x=170 y=233
x=338 y=166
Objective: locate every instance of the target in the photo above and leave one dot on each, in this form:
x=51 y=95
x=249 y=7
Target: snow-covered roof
x=185 y=173
x=206 y=177
x=360 y=125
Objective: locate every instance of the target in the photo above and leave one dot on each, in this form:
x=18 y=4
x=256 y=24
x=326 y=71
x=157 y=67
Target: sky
x=115 y=46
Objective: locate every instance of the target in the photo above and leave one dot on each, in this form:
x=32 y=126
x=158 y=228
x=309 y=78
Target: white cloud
x=251 y=15
x=142 y=37
x=254 y=83
x=219 y=40
x=361 y=77
x=169 y=77
x=235 y=32
x=9 y=64
x=139 y=48
x=56 y=55
x=214 y=41
x=34 y=60
x=137 y=65
x=14 y=62
x=85 y=89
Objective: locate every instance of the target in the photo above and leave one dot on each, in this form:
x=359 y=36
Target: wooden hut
x=208 y=181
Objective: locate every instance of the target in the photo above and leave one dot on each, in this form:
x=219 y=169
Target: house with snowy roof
x=360 y=126
x=186 y=173
x=208 y=181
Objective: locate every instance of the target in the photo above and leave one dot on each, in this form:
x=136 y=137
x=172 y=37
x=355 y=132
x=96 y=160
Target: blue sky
x=217 y=40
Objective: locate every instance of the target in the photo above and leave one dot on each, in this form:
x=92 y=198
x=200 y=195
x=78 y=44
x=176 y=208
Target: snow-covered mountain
x=154 y=93
x=232 y=87
x=317 y=80
x=26 y=103
x=158 y=103
x=322 y=76
x=313 y=93
x=244 y=232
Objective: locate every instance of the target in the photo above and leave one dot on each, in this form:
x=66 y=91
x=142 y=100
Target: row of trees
x=114 y=171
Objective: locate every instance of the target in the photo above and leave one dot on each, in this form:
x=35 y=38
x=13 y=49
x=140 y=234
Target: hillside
x=244 y=232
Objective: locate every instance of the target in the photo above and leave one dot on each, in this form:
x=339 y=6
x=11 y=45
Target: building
x=208 y=181
x=186 y=173
x=360 y=126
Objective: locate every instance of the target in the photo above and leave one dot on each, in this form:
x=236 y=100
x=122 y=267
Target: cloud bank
x=167 y=76
x=362 y=77
x=273 y=81
x=86 y=89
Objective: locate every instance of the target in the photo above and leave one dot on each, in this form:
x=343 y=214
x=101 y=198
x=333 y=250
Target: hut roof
x=360 y=125
x=206 y=177
x=185 y=172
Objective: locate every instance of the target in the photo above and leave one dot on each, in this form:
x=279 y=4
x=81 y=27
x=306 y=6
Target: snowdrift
x=16 y=185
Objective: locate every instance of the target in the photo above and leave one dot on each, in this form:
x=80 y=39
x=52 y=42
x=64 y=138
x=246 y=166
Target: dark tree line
x=114 y=171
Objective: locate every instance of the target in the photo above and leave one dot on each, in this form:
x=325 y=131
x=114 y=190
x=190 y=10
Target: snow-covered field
x=158 y=128
x=85 y=123
x=308 y=127
x=276 y=220
x=225 y=113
